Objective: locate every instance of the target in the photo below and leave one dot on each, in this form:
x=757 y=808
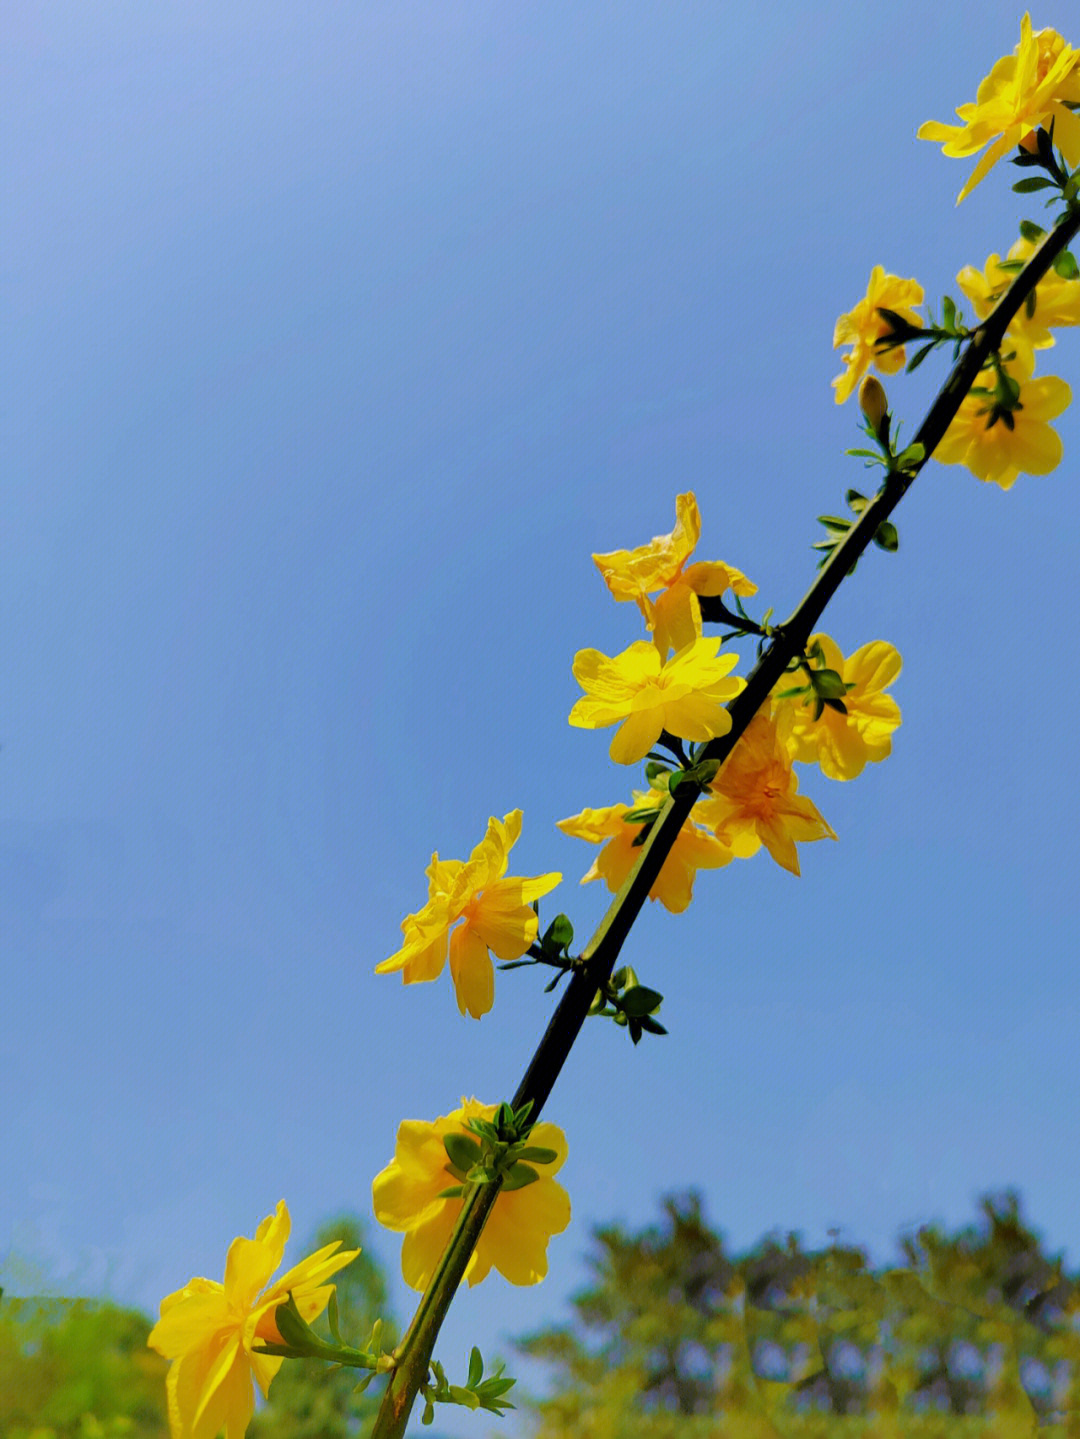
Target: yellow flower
x=208 y=1329
x=842 y=744
x=675 y=617
x=497 y=913
x=694 y=848
x=999 y=453
x=1057 y=301
x=862 y=327
x=1024 y=92
x=754 y=801
x=684 y=695
x=515 y=1237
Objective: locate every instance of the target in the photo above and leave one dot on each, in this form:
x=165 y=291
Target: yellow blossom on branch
x=862 y=327
x=1024 y=92
x=694 y=848
x=208 y=1329
x=495 y=910
x=515 y=1237
x=645 y=694
x=1022 y=442
x=753 y=800
x=674 y=618
x=842 y=744
x=1057 y=301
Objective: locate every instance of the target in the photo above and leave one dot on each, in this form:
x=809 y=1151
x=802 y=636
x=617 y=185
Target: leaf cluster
x=476 y=1393
x=499 y=1151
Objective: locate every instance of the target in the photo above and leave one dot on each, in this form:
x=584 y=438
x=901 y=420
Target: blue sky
x=340 y=337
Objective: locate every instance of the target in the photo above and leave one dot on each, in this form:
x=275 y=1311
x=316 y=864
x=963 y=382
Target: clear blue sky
x=338 y=338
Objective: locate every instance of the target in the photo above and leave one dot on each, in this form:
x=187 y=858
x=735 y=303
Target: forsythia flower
x=497 y=911
x=694 y=848
x=675 y=617
x=1023 y=92
x=684 y=695
x=1057 y=301
x=754 y=801
x=862 y=327
x=208 y=1329
x=842 y=744
x=515 y=1237
x=999 y=453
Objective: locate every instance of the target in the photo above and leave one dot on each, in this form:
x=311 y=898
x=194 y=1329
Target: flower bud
x=873 y=402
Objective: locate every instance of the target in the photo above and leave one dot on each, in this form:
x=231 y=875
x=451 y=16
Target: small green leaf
x=913 y=455
x=886 y=538
x=332 y=1316
x=362 y=1384
x=457 y=1395
x=855 y=501
x=428 y=1416
x=1065 y=265
x=865 y=455
x=1032 y=183
x=919 y=356
x=652 y=1025
x=640 y=1000
x=827 y=684
x=462 y=1151
x=835 y=522
x=537 y=1154
x=455 y=1191
x=558 y=935
x=948 y=313
x=1031 y=231
x=476 y=1368
x=655 y=771
x=518 y=1176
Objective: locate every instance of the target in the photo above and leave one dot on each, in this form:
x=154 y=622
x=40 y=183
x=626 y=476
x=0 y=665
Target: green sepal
x=462 y=1151
x=454 y=1192
x=481 y=1174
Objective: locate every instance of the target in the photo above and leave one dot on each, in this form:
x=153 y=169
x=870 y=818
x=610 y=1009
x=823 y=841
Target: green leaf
x=865 y=455
x=1065 y=265
x=362 y=1384
x=827 y=684
x=455 y=1191
x=537 y=1154
x=428 y=1416
x=518 y=1176
x=1031 y=231
x=462 y=1151
x=457 y=1395
x=558 y=935
x=644 y=814
x=855 y=501
x=1029 y=304
x=476 y=1368
x=886 y=538
x=1032 y=183
x=640 y=1000
x=655 y=771
x=835 y=522
x=913 y=455
x=918 y=357
x=332 y=1316
x=948 y=313
x=652 y=1025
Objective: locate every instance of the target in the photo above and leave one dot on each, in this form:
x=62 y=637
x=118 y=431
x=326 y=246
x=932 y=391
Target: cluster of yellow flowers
x=754 y=799
x=1031 y=89
x=674 y=684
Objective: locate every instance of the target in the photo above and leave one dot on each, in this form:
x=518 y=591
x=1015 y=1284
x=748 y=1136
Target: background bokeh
x=338 y=338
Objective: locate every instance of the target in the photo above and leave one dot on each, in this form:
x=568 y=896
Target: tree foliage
x=674 y=1331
